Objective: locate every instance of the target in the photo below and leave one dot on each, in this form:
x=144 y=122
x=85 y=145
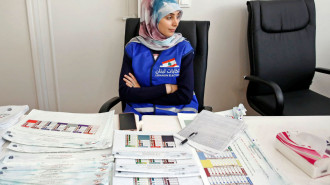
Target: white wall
x=17 y=83
x=321 y=81
x=89 y=41
x=88 y=38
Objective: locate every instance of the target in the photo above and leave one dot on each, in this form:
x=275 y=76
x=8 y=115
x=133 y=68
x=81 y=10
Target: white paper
x=149 y=145
x=10 y=114
x=27 y=158
x=158 y=181
x=215 y=132
x=244 y=150
x=191 y=173
x=44 y=149
x=57 y=168
x=235 y=113
x=155 y=165
x=58 y=129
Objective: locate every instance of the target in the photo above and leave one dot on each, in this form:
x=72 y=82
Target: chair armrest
x=322 y=70
x=279 y=98
x=109 y=104
x=209 y=108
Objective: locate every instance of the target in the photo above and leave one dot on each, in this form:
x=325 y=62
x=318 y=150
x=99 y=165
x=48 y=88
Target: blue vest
x=164 y=70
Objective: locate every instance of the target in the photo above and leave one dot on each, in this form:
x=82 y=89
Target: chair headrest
x=284 y=16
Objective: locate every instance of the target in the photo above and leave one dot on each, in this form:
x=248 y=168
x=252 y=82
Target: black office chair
x=196 y=33
x=281 y=41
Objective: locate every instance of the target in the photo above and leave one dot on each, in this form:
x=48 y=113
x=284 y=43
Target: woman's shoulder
x=132 y=43
x=134 y=46
x=185 y=43
x=185 y=46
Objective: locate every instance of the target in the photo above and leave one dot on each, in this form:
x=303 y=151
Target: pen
x=192 y=134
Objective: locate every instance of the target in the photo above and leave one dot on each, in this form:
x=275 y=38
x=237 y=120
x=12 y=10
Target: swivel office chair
x=281 y=41
x=196 y=32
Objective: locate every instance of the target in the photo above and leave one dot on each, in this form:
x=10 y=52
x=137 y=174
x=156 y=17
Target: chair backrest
x=281 y=40
x=196 y=32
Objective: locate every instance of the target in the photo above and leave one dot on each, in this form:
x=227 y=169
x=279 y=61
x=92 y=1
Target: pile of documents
x=83 y=168
x=9 y=116
x=210 y=132
x=242 y=162
x=68 y=130
x=153 y=158
x=59 y=148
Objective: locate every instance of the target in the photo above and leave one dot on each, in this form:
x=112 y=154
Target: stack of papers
x=241 y=163
x=84 y=168
x=153 y=158
x=59 y=148
x=9 y=116
x=213 y=132
x=66 y=130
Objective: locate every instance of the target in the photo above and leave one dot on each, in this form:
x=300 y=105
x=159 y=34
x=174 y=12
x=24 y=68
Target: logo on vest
x=168 y=68
x=169 y=63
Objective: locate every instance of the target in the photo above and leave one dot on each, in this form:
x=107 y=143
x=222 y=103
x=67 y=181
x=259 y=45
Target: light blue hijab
x=152 y=11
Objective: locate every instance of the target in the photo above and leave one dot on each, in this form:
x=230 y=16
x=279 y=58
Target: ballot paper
x=54 y=158
x=190 y=173
x=43 y=149
x=156 y=168
x=9 y=116
x=158 y=181
x=241 y=163
x=213 y=133
x=59 y=129
x=149 y=145
x=155 y=165
x=92 y=167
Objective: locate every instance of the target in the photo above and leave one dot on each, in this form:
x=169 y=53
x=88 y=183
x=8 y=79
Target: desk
x=264 y=130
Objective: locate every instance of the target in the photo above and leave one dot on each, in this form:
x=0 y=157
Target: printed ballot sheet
x=192 y=173
x=242 y=162
x=158 y=181
x=43 y=149
x=156 y=168
x=92 y=167
x=9 y=116
x=59 y=129
x=149 y=145
x=155 y=165
x=153 y=158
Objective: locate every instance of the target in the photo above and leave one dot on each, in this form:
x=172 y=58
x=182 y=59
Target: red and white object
x=306 y=151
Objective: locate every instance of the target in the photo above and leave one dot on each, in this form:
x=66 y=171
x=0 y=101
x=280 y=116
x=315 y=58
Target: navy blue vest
x=164 y=70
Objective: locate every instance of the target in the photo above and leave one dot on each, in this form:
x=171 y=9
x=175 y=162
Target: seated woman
x=157 y=76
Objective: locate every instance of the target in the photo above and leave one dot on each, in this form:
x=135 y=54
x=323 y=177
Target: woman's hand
x=170 y=88
x=131 y=81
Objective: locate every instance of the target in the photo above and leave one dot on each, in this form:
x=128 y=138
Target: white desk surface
x=264 y=130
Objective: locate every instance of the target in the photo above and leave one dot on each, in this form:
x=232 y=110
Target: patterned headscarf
x=152 y=11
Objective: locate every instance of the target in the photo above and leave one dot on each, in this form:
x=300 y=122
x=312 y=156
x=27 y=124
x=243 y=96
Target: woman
x=157 y=72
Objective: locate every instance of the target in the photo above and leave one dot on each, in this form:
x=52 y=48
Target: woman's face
x=168 y=24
